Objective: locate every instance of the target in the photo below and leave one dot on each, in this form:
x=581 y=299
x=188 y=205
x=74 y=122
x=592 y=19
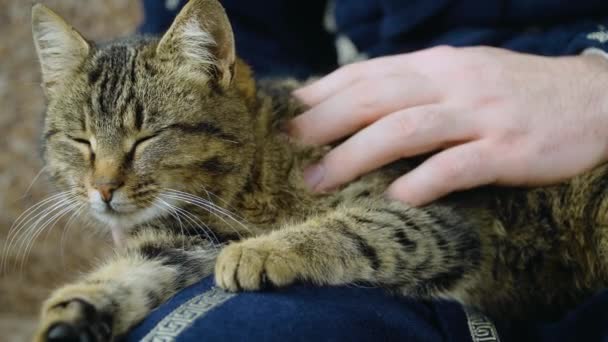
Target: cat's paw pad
x=254 y=265
x=74 y=319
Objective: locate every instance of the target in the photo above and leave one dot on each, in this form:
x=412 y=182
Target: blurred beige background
x=51 y=261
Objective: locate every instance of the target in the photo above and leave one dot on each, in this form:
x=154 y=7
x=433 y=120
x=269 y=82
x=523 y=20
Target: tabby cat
x=172 y=145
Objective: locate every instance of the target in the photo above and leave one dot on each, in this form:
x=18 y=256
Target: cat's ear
x=201 y=36
x=61 y=49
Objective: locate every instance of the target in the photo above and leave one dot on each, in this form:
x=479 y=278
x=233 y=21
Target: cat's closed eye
x=141 y=143
x=80 y=140
x=84 y=143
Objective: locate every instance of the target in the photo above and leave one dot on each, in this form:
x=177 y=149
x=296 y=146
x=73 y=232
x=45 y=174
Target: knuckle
x=460 y=165
x=473 y=160
x=431 y=116
x=416 y=121
x=452 y=169
x=407 y=124
x=511 y=138
x=341 y=165
x=443 y=50
x=475 y=67
x=337 y=168
x=484 y=68
x=355 y=70
x=400 y=192
x=366 y=97
x=303 y=126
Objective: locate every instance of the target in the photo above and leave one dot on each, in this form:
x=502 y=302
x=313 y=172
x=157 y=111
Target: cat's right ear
x=201 y=40
x=60 y=48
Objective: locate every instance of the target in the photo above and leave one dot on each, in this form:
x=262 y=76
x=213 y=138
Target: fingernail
x=296 y=93
x=313 y=175
x=393 y=194
x=285 y=127
x=300 y=94
x=288 y=128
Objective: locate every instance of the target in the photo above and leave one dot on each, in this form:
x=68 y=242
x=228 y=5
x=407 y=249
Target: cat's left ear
x=201 y=36
x=61 y=49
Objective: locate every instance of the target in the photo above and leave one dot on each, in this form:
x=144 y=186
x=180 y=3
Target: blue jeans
x=307 y=313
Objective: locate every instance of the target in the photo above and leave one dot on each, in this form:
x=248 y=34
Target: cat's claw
x=64 y=332
x=255 y=264
x=74 y=320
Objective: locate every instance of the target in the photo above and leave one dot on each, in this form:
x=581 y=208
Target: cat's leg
x=419 y=251
x=109 y=301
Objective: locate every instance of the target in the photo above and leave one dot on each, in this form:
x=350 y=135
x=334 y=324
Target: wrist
x=597 y=58
x=596 y=61
x=595 y=54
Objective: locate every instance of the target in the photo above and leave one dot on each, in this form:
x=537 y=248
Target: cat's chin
x=120 y=222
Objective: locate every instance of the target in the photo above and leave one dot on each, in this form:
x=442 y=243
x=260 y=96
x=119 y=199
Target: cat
x=172 y=145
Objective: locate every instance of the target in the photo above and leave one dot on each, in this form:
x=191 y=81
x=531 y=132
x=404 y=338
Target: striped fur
x=174 y=134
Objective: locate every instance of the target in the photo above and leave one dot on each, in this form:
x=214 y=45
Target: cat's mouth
x=120 y=221
x=114 y=209
x=123 y=216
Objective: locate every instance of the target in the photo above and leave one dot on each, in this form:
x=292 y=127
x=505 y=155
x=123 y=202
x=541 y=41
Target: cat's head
x=132 y=124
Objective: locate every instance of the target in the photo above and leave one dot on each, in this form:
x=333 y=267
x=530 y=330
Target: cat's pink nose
x=106 y=190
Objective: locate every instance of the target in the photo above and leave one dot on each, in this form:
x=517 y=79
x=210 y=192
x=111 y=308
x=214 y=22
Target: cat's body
x=158 y=130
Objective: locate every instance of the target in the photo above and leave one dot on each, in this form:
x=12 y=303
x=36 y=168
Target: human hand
x=494 y=116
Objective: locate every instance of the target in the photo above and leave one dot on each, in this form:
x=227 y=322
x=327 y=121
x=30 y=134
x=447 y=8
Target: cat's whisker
x=229 y=215
x=44 y=212
x=48 y=227
x=171 y=210
x=208 y=232
x=197 y=223
x=210 y=209
x=36 y=177
x=361 y=285
x=40 y=214
x=204 y=206
x=32 y=209
x=192 y=219
x=36 y=211
x=210 y=206
x=214 y=211
x=173 y=213
x=228 y=140
x=210 y=202
x=75 y=215
x=38 y=228
x=228 y=206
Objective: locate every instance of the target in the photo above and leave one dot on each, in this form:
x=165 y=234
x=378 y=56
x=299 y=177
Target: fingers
x=399 y=135
x=423 y=62
x=341 y=78
x=358 y=105
x=458 y=168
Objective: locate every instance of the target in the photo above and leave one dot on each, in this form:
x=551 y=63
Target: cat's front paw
x=72 y=314
x=256 y=264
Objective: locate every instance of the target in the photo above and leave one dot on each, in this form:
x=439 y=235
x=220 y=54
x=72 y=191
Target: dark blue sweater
x=288 y=37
